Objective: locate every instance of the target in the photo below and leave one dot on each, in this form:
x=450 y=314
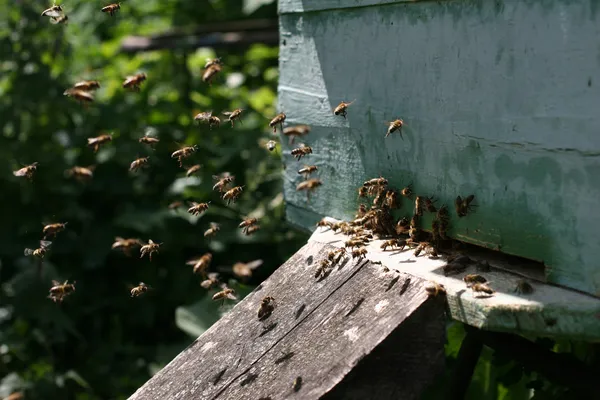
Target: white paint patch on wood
x=380 y=306
x=352 y=334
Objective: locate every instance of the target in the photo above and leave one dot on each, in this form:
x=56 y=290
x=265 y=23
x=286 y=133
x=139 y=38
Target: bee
x=138 y=163
x=302 y=151
x=209 y=118
x=140 y=289
x=244 y=270
x=59 y=20
x=391 y=199
x=342 y=108
x=407 y=191
x=59 y=291
x=233 y=194
x=212 y=231
x=394 y=126
x=184 y=152
x=148 y=139
x=279 y=119
x=359 y=253
x=363 y=192
x=354 y=243
x=471 y=279
x=233 y=115
x=112 y=9
x=481 y=288
x=134 y=82
x=413 y=231
x=393 y=243
x=211 y=72
x=126 y=245
x=307 y=170
x=376 y=182
x=53 y=12
x=149 y=249
x=402 y=227
x=267 y=305
x=271 y=144
x=463 y=206
x=428 y=204
x=87 y=86
x=433 y=289
x=192 y=170
x=296 y=131
x=297 y=384
x=336 y=256
x=309 y=185
x=248 y=222
x=225 y=294
x=425 y=246
x=222 y=181
x=324 y=269
x=201 y=264
x=52 y=229
x=81 y=173
x=419 y=206
x=324 y=223
x=252 y=229
x=80 y=95
x=95 y=142
x=523 y=287
x=213 y=61
x=175 y=205
x=21 y=396
x=198 y=208
x=362 y=210
x=27 y=171
x=211 y=281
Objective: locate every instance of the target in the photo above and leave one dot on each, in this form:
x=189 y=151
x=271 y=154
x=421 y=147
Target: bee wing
x=213 y=275
x=28 y=252
x=206 y=284
x=150 y=241
x=45 y=244
x=53 y=12
x=254 y=264
x=57 y=20
x=231 y=296
x=55 y=283
x=20 y=172
x=227 y=113
x=192 y=262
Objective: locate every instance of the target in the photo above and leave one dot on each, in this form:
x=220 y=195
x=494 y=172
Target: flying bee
x=126 y=245
x=148 y=139
x=248 y=222
x=252 y=229
x=267 y=305
x=359 y=253
x=302 y=151
x=134 y=82
x=307 y=170
x=192 y=170
x=271 y=145
x=198 y=208
x=244 y=270
x=201 y=264
x=112 y=9
x=523 y=287
x=463 y=206
x=86 y=86
x=211 y=280
x=149 y=249
x=59 y=20
x=208 y=118
x=392 y=200
x=296 y=131
x=471 y=279
x=80 y=95
x=212 y=231
x=138 y=163
x=393 y=243
x=225 y=294
x=233 y=115
x=233 y=194
x=52 y=230
x=482 y=288
x=419 y=206
x=41 y=251
x=59 y=291
x=82 y=174
x=428 y=204
x=433 y=289
x=175 y=205
x=140 y=289
x=342 y=108
x=222 y=181
x=309 y=185
x=278 y=120
x=394 y=126
x=211 y=72
x=407 y=191
x=27 y=171
x=55 y=11
x=213 y=61
x=96 y=142
x=184 y=152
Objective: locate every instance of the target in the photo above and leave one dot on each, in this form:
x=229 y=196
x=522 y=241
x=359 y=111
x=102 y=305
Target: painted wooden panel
x=500 y=99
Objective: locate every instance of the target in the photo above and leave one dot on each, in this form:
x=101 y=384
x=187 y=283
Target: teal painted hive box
x=500 y=99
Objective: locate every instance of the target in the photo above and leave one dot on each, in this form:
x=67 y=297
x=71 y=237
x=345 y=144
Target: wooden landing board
x=549 y=311
x=319 y=330
x=499 y=99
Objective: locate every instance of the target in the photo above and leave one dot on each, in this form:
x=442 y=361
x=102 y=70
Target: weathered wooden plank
x=296 y=6
x=549 y=311
x=318 y=320
x=499 y=100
